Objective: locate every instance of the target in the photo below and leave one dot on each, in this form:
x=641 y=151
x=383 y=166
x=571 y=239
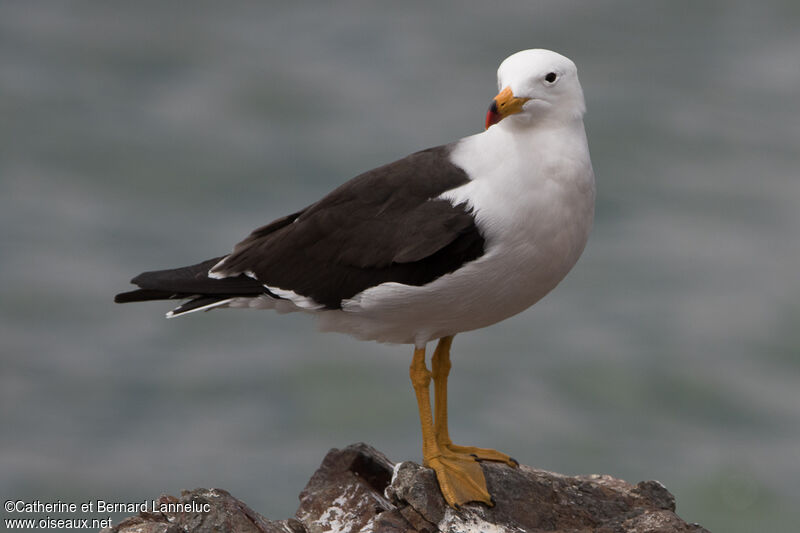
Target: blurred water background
x=141 y=135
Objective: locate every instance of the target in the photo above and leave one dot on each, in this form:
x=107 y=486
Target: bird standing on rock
x=449 y=239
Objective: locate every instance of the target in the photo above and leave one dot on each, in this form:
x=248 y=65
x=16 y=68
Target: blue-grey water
x=141 y=135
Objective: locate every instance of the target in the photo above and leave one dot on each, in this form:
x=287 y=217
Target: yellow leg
x=460 y=476
x=440 y=366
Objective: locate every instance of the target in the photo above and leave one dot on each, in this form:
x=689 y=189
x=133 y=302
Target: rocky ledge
x=358 y=489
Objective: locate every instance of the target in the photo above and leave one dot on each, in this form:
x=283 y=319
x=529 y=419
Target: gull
x=449 y=239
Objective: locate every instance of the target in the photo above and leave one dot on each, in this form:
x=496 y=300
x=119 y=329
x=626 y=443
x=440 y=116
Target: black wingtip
x=142 y=295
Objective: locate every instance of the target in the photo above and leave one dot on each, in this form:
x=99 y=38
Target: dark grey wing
x=383 y=225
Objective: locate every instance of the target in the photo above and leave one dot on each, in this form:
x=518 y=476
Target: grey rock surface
x=358 y=489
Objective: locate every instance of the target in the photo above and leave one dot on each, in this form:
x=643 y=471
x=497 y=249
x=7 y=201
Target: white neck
x=525 y=147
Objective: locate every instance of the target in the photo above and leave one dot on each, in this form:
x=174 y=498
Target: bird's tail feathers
x=193 y=283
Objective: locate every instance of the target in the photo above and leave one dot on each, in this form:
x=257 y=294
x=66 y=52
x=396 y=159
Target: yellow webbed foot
x=460 y=479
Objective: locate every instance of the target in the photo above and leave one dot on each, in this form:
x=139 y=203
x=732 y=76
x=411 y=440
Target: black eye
x=551 y=77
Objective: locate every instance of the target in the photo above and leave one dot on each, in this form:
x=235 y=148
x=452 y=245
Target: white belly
x=482 y=293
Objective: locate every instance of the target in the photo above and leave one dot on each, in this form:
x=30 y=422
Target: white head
x=536 y=86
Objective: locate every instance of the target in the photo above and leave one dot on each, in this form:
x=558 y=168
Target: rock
x=226 y=514
x=347 y=491
x=358 y=489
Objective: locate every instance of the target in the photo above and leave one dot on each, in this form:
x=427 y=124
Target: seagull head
x=536 y=86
